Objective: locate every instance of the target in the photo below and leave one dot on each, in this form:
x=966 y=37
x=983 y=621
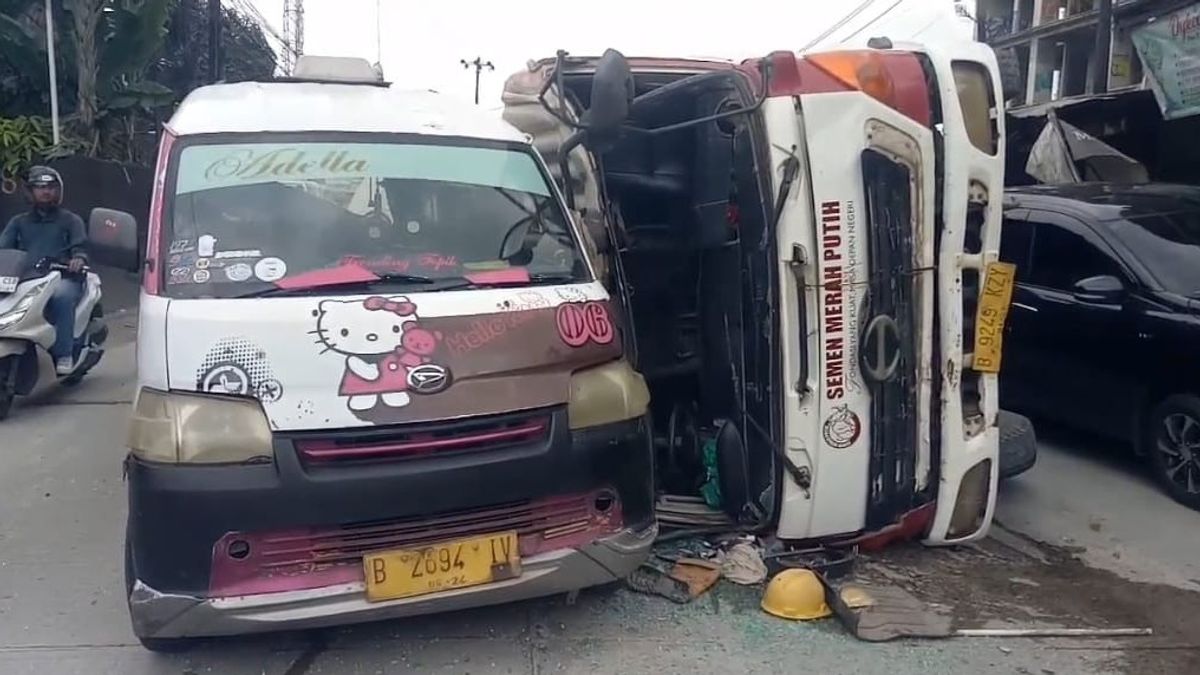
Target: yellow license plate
x=441 y=567
x=990 y=315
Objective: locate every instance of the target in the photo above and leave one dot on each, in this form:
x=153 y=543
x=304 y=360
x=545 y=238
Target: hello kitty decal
x=388 y=354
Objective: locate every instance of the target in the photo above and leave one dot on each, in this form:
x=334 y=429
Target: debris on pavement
x=832 y=563
x=856 y=597
x=699 y=575
x=651 y=580
x=893 y=613
x=797 y=595
x=743 y=564
x=676 y=511
x=1053 y=632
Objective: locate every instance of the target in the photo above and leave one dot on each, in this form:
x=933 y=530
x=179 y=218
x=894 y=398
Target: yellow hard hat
x=796 y=593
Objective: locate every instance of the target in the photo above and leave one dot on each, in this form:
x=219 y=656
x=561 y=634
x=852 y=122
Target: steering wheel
x=527 y=221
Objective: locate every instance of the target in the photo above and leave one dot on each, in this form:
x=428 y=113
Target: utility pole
x=53 y=67
x=478 y=64
x=1100 y=60
x=216 y=67
x=293 y=34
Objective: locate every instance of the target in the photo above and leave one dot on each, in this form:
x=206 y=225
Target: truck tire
x=1018 y=444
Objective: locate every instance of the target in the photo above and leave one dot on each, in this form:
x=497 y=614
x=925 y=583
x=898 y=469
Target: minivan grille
x=423 y=439
x=268 y=562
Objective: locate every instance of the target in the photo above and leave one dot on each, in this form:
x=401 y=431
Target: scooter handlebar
x=59 y=267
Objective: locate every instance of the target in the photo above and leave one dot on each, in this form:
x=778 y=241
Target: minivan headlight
x=613 y=392
x=178 y=428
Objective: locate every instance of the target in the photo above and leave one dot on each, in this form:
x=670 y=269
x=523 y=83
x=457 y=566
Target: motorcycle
x=26 y=336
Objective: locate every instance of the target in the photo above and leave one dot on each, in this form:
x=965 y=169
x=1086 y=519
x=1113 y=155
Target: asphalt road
x=62 y=511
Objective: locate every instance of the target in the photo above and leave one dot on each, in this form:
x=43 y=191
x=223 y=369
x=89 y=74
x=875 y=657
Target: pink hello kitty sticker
x=388 y=354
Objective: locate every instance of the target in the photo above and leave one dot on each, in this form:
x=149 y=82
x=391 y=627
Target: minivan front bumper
x=158 y=615
x=219 y=550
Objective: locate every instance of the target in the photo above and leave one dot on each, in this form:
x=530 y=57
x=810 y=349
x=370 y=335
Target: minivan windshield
x=248 y=218
x=1167 y=243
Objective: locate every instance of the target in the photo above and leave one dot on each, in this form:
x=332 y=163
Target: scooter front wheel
x=8 y=377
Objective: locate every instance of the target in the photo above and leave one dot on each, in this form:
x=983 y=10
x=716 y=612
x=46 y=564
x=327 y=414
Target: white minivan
x=397 y=355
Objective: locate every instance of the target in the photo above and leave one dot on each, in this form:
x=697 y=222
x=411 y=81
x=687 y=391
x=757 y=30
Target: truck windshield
x=252 y=216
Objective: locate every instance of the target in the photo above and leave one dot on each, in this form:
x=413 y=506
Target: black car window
x=1168 y=244
x=1016 y=243
x=1061 y=258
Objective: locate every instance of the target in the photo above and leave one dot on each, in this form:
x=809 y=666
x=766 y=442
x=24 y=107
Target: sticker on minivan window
x=270 y=269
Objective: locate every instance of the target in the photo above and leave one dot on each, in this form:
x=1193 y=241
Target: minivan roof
x=309 y=106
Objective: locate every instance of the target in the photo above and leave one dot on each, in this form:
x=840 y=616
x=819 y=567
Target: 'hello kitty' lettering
x=382 y=342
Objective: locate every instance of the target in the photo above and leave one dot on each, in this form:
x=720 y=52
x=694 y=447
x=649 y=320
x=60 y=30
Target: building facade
x=1056 y=45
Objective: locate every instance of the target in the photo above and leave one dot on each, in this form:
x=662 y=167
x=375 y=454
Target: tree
x=24 y=82
x=184 y=62
x=121 y=65
x=114 y=43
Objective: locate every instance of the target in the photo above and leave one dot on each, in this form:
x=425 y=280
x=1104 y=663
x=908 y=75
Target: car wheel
x=1173 y=444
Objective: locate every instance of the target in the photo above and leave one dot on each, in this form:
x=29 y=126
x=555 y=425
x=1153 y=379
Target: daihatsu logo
x=428 y=378
x=880 y=351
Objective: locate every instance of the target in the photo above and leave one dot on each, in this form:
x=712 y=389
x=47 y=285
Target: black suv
x=1104 y=330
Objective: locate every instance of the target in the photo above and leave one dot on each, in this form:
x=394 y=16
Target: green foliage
x=22 y=141
x=24 y=82
x=119 y=81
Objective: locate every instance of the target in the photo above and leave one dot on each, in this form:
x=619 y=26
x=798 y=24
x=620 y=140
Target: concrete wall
x=91 y=183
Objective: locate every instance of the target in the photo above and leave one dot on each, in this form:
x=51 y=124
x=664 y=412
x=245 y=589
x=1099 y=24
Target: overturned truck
x=803 y=251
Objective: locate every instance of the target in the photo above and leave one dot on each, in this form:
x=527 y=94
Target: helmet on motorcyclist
x=45 y=186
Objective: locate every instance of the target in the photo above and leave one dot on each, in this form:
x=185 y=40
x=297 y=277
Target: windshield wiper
x=542 y=279
x=365 y=284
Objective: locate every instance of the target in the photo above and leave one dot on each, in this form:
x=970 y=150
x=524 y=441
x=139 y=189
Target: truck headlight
x=613 y=392
x=178 y=428
x=971 y=503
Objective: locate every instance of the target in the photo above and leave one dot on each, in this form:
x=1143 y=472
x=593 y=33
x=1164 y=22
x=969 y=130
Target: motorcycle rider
x=49 y=231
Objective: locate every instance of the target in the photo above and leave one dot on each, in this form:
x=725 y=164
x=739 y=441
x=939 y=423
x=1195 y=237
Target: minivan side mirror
x=1105 y=289
x=113 y=238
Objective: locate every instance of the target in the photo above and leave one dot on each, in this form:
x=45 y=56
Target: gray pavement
x=62 y=511
x=1093 y=496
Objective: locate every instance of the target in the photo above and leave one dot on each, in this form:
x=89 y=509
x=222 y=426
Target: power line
x=925 y=28
x=251 y=11
x=838 y=25
x=868 y=24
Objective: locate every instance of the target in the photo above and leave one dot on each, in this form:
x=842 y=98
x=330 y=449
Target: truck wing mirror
x=612 y=94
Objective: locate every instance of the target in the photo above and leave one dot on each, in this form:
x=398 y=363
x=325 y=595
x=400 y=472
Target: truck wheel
x=1172 y=439
x=1018 y=444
